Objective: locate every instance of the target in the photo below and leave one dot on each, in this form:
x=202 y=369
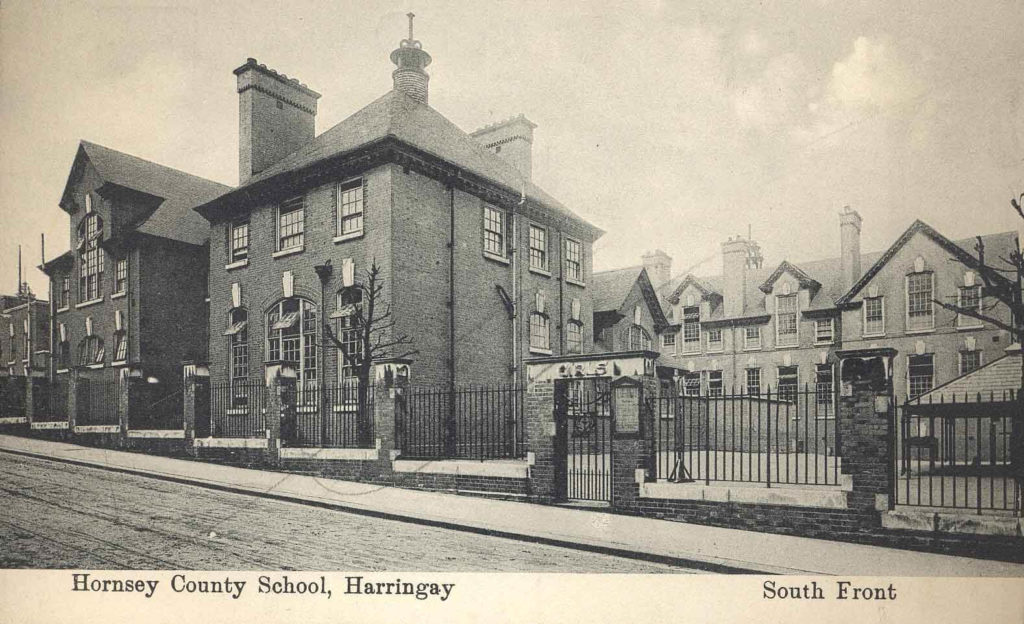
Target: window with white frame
x=573 y=260
x=65 y=291
x=920 y=374
x=291 y=336
x=91 y=351
x=291 y=223
x=715 y=387
x=239 y=241
x=824 y=389
x=752 y=337
x=121 y=276
x=691 y=329
x=349 y=334
x=786 y=325
x=574 y=337
x=639 y=339
x=874 y=316
x=350 y=208
x=824 y=330
x=120 y=346
x=494 y=231
x=540 y=336
x=969 y=298
x=538 y=248
x=91 y=258
x=238 y=339
x=789 y=383
x=668 y=341
x=715 y=342
x=969 y=360
x=753 y=385
x=691 y=384
x=920 y=309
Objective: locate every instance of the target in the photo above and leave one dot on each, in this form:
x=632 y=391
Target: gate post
x=29 y=409
x=540 y=436
x=188 y=405
x=123 y=402
x=865 y=423
x=633 y=412
x=72 y=398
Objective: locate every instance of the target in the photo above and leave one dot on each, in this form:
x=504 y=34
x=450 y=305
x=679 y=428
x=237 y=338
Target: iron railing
x=336 y=416
x=471 y=422
x=97 y=402
x=957 y=451
x=238 y=409
x=155 y=406
x=772 y=437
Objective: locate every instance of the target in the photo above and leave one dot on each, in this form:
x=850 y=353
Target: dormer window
x=90 y=258
x=691 y=329
x=787 y=330
x=920 y=309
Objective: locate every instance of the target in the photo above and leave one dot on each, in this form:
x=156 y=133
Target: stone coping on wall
x=98 y=429
x=169 y=434
x=57 y=424
x=826 y=497
x=13 y=420
x=248 y=443
x=504 y=468
x=349 y=454
x=949 y=521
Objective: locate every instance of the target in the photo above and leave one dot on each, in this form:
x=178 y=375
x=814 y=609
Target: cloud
x=775 y=97
x=873 y=76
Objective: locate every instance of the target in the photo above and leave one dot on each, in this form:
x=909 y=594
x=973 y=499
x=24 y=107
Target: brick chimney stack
x=410 y=77
x=739 y=256
x=658 y=265
x=276 y=116
x=512 y=140
x=849 y=246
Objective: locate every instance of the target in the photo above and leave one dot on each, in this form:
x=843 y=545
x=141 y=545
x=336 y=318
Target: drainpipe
x=561 y=290
x=516 y=268
x=450 y=426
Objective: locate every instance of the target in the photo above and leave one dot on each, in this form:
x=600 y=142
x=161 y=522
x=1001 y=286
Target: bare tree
x=372 y=321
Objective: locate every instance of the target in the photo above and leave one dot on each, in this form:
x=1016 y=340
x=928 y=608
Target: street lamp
x=323 y=273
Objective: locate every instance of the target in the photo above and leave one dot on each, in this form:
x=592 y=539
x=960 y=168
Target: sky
x=670 y=125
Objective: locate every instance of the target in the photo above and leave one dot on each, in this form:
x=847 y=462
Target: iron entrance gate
x=583 y=439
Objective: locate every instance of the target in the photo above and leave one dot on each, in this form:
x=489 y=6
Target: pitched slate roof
x=397 y=115
x=999 y=380
x=963 y=250
x=610 y=289
x=174 y=218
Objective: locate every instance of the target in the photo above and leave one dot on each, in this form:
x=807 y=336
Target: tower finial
x=411 y=59
x=410 y=15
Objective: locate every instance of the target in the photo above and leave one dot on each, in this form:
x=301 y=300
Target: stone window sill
x=119 y=363
x=543 y=272
x=496 y=258
x=118 y=295
x=86 y=304
x=540 y=351
x=244 y=262
x=95 y=366
x=971 y=327
x=917 y=332
x=576 y=282
x=881 y=335
x=61 y=371
x=341 y=238
x=64 y=309
x=288 y=252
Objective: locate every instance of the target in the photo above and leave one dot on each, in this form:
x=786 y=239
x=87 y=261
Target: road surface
x=58 y=515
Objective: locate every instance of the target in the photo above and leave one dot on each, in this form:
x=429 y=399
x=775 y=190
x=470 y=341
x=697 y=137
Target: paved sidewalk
x=712 y=548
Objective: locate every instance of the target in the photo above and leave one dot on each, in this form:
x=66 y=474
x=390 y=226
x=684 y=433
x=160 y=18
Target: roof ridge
x=148 y=162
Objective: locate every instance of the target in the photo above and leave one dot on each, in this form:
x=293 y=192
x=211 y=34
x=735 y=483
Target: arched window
x=292 y=336
x=639 y=339
x=574 y=337
x=90 y=351
x=90 y=259
x=120 y=346
x=540 y=335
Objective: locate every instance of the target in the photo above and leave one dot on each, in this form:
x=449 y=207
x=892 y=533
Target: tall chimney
x=276 y=116
x=849 y=246
x=738 y=256
x=411 y=60
x=658 y=265
x=512 y=140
